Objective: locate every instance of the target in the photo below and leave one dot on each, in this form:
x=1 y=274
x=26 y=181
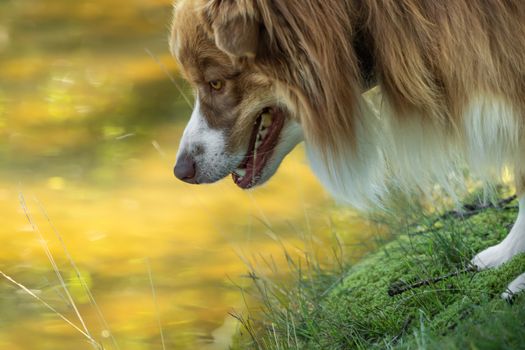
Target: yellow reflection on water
x=89 y=126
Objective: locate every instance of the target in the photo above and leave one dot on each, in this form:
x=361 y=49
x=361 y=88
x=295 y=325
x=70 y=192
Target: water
x=89 y=126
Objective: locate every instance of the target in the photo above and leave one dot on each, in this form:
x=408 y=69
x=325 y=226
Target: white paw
x=516 y=286
x=512 y=245
x=493 y=256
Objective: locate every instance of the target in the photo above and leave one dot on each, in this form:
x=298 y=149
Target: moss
x=461 y=311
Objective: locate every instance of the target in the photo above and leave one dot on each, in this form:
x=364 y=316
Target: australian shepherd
x=268 y=74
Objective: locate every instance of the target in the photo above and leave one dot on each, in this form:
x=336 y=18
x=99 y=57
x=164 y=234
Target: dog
x=269 y=74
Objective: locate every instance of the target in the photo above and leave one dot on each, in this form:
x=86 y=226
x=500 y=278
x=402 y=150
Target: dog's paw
x=493 y=256
x=516 y=286
x=499 y=254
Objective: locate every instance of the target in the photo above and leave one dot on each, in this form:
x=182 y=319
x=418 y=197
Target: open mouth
x=264 y=138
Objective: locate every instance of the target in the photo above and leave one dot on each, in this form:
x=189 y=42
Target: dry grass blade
x=154 y=294
x=159 y=149
x=52 y=309
x=165 y=70
x=246 y=323
x=401 y=287
x=92 y=300
x=51 y=260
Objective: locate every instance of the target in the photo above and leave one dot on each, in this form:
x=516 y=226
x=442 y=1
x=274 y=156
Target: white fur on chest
x=413 y=154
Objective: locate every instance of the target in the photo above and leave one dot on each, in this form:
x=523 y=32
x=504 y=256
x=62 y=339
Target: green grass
x=349 y=307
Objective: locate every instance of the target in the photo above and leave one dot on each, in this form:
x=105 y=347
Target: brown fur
x=429 y=56
x=315 y=68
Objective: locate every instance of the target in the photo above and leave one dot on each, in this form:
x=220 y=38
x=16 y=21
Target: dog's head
x=240 y=124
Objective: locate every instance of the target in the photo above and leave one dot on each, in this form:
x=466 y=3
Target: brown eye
x=216 y=84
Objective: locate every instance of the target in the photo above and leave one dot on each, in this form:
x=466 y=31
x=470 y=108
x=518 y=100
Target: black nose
x=185 y=169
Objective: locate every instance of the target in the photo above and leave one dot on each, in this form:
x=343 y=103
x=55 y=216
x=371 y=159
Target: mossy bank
x=415 y=292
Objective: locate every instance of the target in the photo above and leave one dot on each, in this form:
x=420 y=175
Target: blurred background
x=89 y=127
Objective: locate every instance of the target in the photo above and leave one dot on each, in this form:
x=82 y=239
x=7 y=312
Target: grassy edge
x=351 y=308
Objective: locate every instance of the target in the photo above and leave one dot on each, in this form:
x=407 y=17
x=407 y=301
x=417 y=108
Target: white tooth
x=266 y=120
x=240 y=172
x=257 y=144
x=263 y=133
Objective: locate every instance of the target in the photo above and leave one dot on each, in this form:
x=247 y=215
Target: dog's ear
x=238 y=36
x=235 y=26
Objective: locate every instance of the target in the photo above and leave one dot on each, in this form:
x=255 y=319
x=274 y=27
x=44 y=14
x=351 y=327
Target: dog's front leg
x=512 y=245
